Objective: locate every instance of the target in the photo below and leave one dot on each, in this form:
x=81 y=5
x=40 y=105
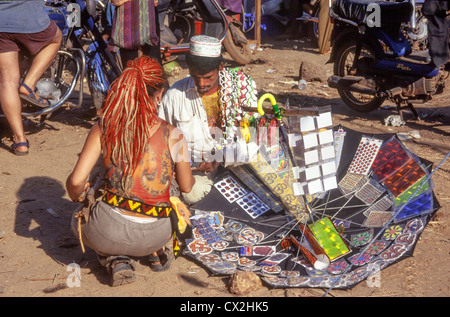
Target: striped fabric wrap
x=134 y=24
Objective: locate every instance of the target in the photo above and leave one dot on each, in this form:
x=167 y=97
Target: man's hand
x=206 y=167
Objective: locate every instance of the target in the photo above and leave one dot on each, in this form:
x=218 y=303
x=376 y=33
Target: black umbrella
x=365 y=215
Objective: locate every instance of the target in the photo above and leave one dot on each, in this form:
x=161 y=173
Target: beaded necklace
x=237 y=90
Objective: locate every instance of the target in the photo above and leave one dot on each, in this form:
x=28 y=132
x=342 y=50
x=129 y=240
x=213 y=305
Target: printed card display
x=312 y=141
x=365 y=155
x=254 y=206
x=230 y=189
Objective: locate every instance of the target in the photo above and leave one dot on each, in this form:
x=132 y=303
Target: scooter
x=373 y=60
x=179 y=20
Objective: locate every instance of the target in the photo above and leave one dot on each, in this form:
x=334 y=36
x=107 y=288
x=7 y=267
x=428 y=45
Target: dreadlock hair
x=130 y=112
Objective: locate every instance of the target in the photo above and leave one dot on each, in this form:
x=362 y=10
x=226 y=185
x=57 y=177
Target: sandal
x=14 y=147
x=122 y=271
x=164 y=260
x=31 y=98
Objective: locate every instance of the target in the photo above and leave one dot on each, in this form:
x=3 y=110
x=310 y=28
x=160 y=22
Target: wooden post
x=258 y=23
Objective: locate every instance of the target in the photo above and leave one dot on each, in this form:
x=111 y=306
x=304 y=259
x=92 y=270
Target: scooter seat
x=357 y=11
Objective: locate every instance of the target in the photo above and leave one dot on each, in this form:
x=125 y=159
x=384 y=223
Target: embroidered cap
x=206 y=46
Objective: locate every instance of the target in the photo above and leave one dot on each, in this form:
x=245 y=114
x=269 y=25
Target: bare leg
x=41 y=62
x=9 y=96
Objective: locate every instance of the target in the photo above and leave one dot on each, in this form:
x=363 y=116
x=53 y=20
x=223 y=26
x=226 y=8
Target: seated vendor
x=207 y=107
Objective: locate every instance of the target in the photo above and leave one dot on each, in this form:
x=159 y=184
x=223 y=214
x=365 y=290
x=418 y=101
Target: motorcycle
x=373 y=59
x=83 y=54
x=415 y=29
x=179 y=20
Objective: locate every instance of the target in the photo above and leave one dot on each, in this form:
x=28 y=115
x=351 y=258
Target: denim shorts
x=109 y=233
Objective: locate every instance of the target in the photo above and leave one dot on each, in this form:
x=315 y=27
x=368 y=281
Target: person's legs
x=438 y=31
x=325 y=27
x=41 y=62
x=9 y=96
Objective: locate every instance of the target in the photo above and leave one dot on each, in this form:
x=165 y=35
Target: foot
x=32 y=96
x=161 y=260
x=122 y=271
x=20 y=148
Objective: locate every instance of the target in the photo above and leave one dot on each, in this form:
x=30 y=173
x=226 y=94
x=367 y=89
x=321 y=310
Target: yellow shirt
x=212 y=107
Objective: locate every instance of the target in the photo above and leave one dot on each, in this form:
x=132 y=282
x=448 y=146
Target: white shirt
x=182 y=107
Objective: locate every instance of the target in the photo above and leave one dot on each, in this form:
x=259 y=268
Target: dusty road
x=37 y=248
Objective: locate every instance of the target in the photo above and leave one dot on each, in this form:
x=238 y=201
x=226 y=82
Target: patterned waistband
x=135 y=206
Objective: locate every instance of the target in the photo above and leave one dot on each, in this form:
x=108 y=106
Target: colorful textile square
x=408 y=194
x=391 y=156
x=364 y=155
x=421 y=205
x=328 y=238
x=404 y=177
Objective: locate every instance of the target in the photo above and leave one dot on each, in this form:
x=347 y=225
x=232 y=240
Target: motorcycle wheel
x=56 y=84
x=343 y=63
x=236 y=45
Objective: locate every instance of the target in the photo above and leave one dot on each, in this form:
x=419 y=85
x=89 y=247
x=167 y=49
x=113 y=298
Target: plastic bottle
x=302 y=84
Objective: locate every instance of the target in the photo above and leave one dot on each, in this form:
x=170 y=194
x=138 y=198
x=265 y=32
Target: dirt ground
x=38 y=250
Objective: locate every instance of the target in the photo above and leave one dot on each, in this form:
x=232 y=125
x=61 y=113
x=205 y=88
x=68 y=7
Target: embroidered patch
x=230 y=256
x=275 y=269
x=246 y=262
x=394 y=252
x=338 y=267
x=377 y=247
x=234 y=226
x=220 y=245
x=392 y=232
x=249 y=236
x=361 y=238
x=360 y=259
x=225 y=234
x=199 y=246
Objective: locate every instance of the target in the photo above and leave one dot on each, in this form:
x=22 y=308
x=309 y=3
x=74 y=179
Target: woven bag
x=134 y=24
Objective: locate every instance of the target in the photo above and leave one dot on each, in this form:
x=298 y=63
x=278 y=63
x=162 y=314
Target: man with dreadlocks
x=207 y=108
x=141 y=153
